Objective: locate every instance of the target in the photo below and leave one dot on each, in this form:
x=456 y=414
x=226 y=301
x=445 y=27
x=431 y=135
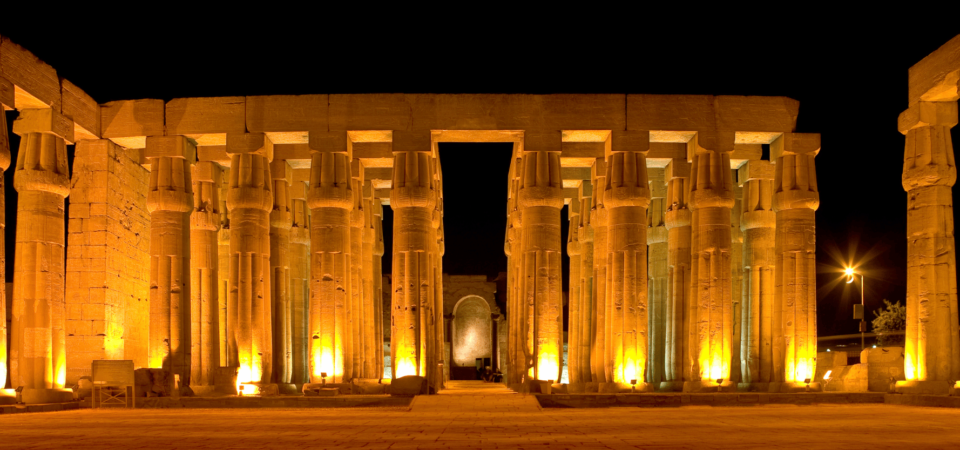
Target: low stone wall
x=718 y=399
x=938 y=401
x=352 y=401
x=44 y=407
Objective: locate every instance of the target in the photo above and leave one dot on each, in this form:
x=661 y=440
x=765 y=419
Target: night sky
x=850 y=79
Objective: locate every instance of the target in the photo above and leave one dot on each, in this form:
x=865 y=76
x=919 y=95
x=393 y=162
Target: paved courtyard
x=478 y=417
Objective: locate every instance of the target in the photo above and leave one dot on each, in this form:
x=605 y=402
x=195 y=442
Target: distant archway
x=472 y=336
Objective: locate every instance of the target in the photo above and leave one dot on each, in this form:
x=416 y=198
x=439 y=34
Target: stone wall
x=873 y=374
x=108 y=263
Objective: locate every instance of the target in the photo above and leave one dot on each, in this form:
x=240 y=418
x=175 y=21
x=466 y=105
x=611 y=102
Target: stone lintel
x=936 y=78
x=628 y=141
x=44 y=121
x=928 y=114
x=301 y=175
x=205 y=115
x=678 y=168
x=6 y=94
x=570 y=193
x=756 y=170
x=412 y=141
x=334 y=142
x=551 y=141
x=290 y=117
x=281 y=170
x=214 y=153
x=577 y=154
x=80 y=107
x=36 y=84
x=256 y=143
x=795 y=143
x=206 y=172
x=169 y=146
x=128 y=122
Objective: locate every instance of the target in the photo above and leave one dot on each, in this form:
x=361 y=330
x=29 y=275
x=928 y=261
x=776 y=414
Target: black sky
x=849 y=75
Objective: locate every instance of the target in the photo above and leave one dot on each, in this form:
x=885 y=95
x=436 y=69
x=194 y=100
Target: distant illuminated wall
x=472 y=328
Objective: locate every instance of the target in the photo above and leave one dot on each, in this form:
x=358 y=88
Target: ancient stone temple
x=236 y=242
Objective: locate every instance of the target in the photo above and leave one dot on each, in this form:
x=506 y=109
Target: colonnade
x=664 y=293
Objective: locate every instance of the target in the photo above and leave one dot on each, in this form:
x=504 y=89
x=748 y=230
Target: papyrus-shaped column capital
x=757 y=207
x=795 y=178
x=928 y=158
x=677 y=175
x=42 y=161
x=206 y=196
x=281 y=174
x=711 y=184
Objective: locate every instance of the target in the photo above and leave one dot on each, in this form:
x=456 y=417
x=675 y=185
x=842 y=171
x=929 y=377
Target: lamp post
x=851 y=275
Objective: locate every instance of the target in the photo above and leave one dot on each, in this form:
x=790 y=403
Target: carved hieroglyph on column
x=656 y=274
x=932 y=354
x=626 y=197
x=540 y=200
x=42 y=181
x=204 y=274
x=4 y=164
x=574 y=287
x=300 y=282
x=413 y=199
x=515 y=350
x=762 y=339
x=354 y=344
x=585 y=234
x=795 y=201
x=330 y=198
x=250 y=200
x=370 y=297
x=378 y=251
x=169 y=200
x=677 y=218
x=281 y=221
x=598 y=217
x=223 y=273
x=711 y=197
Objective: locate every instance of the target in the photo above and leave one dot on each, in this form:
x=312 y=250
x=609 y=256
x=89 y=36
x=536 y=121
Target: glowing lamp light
x=405 y=366
x=3 y=369
x=826 y=376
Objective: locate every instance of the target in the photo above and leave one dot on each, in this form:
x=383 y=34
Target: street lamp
x=851 y=275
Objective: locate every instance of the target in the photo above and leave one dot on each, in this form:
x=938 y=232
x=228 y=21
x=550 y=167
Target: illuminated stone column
x=932 y=350
x=540 y=199
x=598 y=217
x=736 y=278
x=711 y=337
x=281 y=222
x=795 y=201
x=626 y=197
x=762 y=340
x=413 y=199
x=354 y=343
x=574 y=288
x=677 y=219
x=330 y=198
x=42 y=181
x=204 y=274
x=657 y=274
x=370 y=295
x=378 y=251
x=249 y=200
x=227 y=346
x=4 y=164
x=169 y=200
x=585 y=235
x=516 y=355
x=435 y=323
x=300 y=283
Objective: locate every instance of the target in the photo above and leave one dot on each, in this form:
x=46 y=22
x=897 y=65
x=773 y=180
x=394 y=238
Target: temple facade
x=238 y=240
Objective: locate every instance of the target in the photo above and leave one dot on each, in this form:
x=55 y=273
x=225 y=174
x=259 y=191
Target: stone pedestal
x=249 y=200
x=204 y=275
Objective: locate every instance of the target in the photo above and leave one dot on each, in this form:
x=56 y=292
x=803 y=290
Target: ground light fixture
x=19 y=391
x=633 y=385
x=807 y=381
x=826 y=379
x=719 y=383
x=323 y=378
x=240 y=392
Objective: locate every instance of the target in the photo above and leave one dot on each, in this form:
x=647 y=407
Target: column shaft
x=227 y=347
x=204 y=274
x=761 y=341
x=626 y=196
x=330 y=199
x=657 y=274
x=38 y=356
x=250 y=200
x=169 y=200
x=300 y=283
x=377 y=276
x=585 y=234
x=795 y=200
x=540 y=199
x=370 y=296
x=281 y=223
x=574 y=289
x=599 y=220
x=355 y=342
x=4 y=164
x=677 y=219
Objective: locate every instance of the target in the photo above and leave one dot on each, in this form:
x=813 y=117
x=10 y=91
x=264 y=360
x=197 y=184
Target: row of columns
x=662 y=289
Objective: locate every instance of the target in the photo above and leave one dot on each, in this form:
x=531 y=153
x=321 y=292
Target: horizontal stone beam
x=936 y=78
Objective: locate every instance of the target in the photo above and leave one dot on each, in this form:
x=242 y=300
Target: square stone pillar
x=108 y=258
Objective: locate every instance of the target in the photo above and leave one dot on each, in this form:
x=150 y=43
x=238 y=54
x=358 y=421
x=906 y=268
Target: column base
x=576 y=388
x=795 y=387
x=705 y=387
x=288 y=389
x=926 y=387
x=32 y=396
x=671 y=386
x=759 y=387
x=608 y=388
x=591 y=387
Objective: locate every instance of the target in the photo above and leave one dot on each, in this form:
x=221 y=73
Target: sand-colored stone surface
x=677 y=355
x=587 y=252
x=657 y=274
x=484 y=417
x=204 y=274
